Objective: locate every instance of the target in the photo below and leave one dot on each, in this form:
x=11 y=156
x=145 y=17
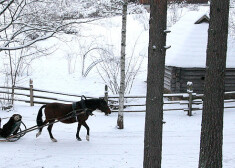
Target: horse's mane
x=93 y=101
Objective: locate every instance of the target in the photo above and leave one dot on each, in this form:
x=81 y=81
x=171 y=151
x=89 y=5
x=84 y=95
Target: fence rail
x=29 y=94
x=188 y=102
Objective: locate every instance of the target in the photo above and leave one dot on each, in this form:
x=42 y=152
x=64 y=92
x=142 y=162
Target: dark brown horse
x=57 y=111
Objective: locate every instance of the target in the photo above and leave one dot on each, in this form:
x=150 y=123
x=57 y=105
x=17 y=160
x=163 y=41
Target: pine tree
x=155 y=84
x=213 y=103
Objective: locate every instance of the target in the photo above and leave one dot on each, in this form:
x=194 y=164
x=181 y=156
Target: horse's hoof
x=53 y=140
x=79 y=139
x=37 y=135
x=88 y=138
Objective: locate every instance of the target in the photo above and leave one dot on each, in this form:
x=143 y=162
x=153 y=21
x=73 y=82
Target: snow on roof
x=189 y=42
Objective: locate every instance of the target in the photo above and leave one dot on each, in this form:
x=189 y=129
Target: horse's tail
x=39 y=116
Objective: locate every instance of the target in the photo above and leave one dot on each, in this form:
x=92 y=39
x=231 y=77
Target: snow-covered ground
x=108 y=147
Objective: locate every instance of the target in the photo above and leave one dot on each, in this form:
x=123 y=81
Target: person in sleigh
x=11 y=127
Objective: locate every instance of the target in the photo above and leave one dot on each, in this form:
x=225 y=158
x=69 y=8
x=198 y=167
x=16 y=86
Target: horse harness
x=75 y=107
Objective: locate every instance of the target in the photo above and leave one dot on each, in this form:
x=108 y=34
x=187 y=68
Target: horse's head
x=103 y=106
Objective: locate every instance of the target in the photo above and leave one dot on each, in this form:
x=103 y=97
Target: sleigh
x=12 y=130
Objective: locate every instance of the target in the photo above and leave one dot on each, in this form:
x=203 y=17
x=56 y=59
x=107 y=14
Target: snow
x=189 y=43
x=189 y=83
x=108 y=147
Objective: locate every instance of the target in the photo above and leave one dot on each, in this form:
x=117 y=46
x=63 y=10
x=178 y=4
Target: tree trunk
x=213 y=106
x=12 y=78
x=155 y=84
x=120 y=124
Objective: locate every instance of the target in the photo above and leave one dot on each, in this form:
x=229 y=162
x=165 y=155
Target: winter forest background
x=73 y=46
x=26 y=22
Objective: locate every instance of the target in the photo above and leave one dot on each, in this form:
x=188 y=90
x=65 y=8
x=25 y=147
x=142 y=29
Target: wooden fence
x=188 y=102
x=38 y=96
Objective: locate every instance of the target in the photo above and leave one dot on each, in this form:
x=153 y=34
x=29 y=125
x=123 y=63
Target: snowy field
x=109 y=147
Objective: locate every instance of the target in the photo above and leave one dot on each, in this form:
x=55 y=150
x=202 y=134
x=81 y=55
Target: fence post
x=31 y=92
x=190 y=97
x=106 y=93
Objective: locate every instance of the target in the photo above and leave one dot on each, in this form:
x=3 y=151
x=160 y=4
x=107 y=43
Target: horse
x=58 y=111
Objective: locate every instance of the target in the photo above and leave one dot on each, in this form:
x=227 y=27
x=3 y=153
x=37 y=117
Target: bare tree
x=15 y=32
x=17 y=66
x=25 y=22
x=213 y=102
x=120 y=124
x=155 y=84
x=175 y=10
x=109 y=67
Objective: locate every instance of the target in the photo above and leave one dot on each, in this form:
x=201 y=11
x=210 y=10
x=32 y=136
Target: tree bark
x=120 y=123
x=213 y=106
x=155 y=84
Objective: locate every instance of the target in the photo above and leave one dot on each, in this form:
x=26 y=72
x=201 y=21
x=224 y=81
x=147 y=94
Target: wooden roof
x=203 y=19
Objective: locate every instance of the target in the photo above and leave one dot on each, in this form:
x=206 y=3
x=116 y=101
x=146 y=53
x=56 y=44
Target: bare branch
x=32 y=28
x=6 y=7
x=27 y=44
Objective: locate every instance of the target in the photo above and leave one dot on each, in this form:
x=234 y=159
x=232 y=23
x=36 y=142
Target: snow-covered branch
x=28 y=43
x=5 y=7
x=49 y=33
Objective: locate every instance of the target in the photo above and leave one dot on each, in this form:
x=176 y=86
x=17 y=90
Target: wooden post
x=106 y=92
x=31 y=92
x=190 y=97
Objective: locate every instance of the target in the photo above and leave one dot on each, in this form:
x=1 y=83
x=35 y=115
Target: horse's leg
x=40 y=129
x=49 y=128
x=78 y=130
x=87 y=129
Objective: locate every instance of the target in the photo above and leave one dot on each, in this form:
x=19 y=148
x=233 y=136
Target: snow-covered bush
x=176 y=9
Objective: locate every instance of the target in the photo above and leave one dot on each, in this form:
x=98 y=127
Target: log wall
x=176 y=79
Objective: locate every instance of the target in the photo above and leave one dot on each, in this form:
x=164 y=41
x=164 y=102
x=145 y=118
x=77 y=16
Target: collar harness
x=75 y=107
